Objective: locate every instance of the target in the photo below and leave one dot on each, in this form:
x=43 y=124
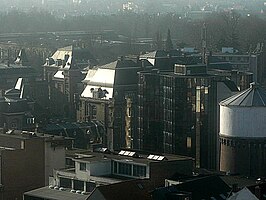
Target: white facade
x=243 y=121
x=100 y=168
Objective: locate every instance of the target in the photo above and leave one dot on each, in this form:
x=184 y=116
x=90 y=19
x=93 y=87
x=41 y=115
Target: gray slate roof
x=254 y=96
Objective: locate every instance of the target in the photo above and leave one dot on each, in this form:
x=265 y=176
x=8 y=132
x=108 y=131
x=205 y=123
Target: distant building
x=63 y=73
x=242 y=133
x=253 y=62
x=84 y=134
x=11 y=71
x=16 y=112
x=178 y=112
x=110 y=96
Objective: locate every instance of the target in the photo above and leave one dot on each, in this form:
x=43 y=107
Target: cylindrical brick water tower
x=243 y=132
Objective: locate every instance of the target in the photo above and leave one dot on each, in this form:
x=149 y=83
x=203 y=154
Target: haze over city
x=140 y=99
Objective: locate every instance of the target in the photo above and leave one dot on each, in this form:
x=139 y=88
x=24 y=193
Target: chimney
x=142 y=64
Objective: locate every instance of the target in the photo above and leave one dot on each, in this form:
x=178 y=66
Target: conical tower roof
x=254 y=96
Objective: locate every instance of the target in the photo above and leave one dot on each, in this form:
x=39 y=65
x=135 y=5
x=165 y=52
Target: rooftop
x=133 y=189
x=208 y=187
x=56 y=194
x=253 y=96
x=29 y=135
x=127 y=156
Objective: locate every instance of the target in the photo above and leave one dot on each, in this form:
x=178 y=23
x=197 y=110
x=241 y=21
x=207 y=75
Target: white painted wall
x=239 y=121
x=102 y=167
x=82 y=175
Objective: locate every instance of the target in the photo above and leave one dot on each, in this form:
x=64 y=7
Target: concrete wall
x=244 y=156
x=23 y=170
x=54 y=159
x=82 y=175
x=7 y=141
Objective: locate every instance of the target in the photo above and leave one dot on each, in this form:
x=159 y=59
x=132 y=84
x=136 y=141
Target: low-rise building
x=63 y=73
x=102 y=167
x=11 y=71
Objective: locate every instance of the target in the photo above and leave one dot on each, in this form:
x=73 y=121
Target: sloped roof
x=254 y=96
x=133 y=189
x=154 y=54
x=60 y=53
x=111 y=65
x=80 y=55
x=103 y=77
x=208 y=187
x=21 y=58
x=59 y=74
x=243 y=194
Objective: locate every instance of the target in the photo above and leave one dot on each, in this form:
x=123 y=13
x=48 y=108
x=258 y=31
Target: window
x=125 y=169
x=70 y=162
x=115 y=167
x=78 y=185
x=139 y=171
x=90 y=186
x=189 y=142
x=82 y=166
x=64 y=182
